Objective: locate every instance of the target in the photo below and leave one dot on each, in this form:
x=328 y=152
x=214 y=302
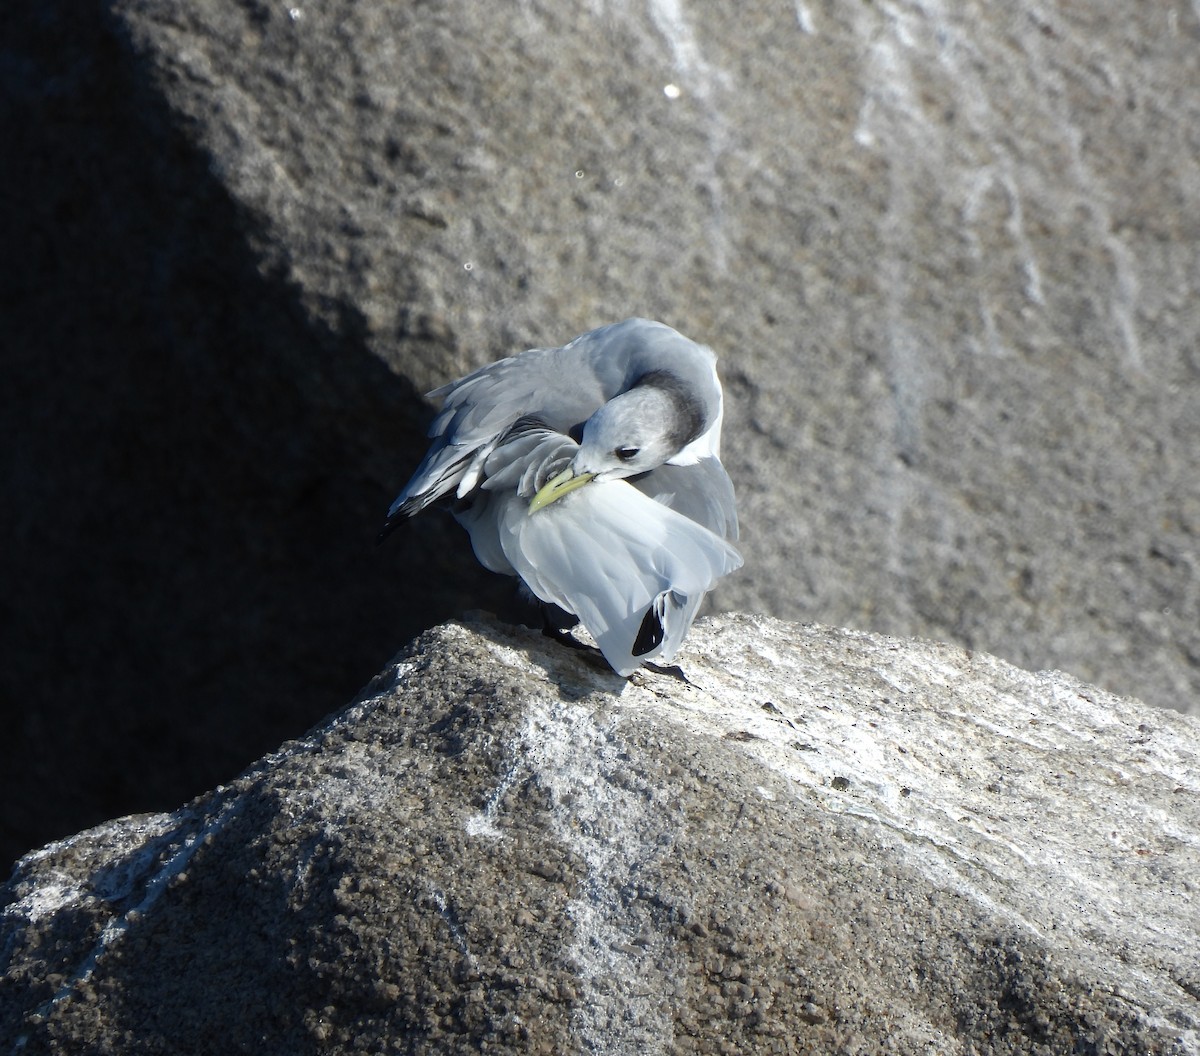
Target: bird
x=592 y=472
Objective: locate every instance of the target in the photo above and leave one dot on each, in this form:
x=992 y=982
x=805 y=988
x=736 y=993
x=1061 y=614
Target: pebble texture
x=824 y=842
x=946 y=252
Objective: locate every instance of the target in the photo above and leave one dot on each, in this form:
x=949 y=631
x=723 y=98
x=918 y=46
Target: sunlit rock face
x=821 y=841
x=946 y=253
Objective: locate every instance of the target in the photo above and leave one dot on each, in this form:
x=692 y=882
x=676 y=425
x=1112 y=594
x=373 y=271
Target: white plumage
x=592 y=471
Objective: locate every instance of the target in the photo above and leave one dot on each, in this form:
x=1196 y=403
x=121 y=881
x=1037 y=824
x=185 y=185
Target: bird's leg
x=557 y=624
x=552 y=619
x=566 y=638
x=675 y=671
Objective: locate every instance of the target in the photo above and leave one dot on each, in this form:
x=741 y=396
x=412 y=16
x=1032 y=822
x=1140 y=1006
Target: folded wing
x=633 y=570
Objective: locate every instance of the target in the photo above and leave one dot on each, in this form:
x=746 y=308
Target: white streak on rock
x=894 y=118
x=145 y=861
x=704 y=80
x=615 y=824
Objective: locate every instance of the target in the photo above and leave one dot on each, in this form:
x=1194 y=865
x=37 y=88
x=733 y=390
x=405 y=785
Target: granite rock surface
x=946 y=253
x=821 y=842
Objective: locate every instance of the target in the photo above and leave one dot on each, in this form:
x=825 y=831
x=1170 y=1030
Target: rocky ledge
x=821 y=841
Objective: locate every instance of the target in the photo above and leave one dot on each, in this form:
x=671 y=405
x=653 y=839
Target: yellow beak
x=556 y=487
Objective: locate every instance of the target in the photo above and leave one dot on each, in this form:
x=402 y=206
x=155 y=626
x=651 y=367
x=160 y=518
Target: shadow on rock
x=195 y=469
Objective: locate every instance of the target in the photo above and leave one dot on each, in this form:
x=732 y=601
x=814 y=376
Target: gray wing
x=701 y=491
x=633 y=570
x=526 y=458
x=632 y=564
x=561 y=387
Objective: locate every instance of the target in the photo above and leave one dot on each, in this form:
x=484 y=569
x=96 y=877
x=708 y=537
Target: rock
x=822 y=841
x=946 y=253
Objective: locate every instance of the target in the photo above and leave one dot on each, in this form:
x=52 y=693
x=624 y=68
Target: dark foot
x=555 y=618
x=566 y=638
x=675 y=671
x=589 y=654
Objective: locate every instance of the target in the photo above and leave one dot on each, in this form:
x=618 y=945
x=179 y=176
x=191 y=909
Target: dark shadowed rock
x=823 y=842
x=945 y=252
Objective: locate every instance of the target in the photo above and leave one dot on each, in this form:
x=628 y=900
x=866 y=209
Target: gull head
x=635 y=432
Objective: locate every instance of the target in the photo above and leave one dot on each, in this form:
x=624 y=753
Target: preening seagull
x=593 y=473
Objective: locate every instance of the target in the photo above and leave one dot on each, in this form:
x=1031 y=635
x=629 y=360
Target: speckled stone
x=945 y=252
x=822 y=841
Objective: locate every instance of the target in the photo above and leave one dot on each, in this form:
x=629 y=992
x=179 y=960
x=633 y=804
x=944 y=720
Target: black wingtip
x=392 y=524
x=650 y=634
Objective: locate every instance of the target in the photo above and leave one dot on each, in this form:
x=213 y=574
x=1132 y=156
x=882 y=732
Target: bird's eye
x=625 y=454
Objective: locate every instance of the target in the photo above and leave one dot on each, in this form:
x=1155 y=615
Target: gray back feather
x=562 y=387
